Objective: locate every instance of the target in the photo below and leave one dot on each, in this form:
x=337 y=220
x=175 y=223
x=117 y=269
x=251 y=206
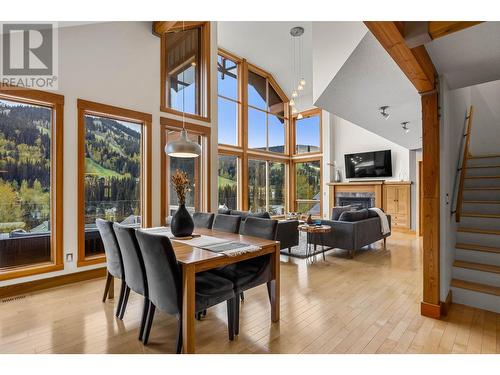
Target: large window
x=114 y=172
x=228 y=100
x=266 y=186
x=185 y=69
x=308 y=133
x=30 y=183
x=266 y=115
x=308 y=187
x=228 y=181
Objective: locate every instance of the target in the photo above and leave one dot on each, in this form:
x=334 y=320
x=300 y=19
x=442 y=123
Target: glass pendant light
x=183 y=147
x=294 y=110
x=292 y=103
x=302 y=82
x=300 y=87
x=294 y=94
x=299 y=116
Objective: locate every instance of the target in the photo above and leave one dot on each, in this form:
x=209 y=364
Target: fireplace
x=359 y=199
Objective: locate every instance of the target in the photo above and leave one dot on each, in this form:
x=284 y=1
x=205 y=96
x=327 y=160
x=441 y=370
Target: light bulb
x=302 y=82
x=300 y=87
x=299 y=116
x=294 y=110
x=292 y=103
x=294 y=94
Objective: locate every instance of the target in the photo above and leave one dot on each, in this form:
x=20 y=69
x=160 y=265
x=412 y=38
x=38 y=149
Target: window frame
x=239 y=168
x=205 y=65
x=201 y=130
x=293 y=183
x=309 y=113
x=86 y=107
x=56 y=103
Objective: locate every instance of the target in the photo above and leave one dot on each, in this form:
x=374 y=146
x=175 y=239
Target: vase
x=182 y=224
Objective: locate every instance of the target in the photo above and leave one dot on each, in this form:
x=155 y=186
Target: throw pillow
x=262 y=215
x=354 y=215
x=224 y=211
x=243 y=214
x=337 y=211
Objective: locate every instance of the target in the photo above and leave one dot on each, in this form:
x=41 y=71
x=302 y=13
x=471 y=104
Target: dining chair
x=227 y=223
x=253 y=272
x=133 y=264
x=203 y=220
x=165 y=285
x=114 y=261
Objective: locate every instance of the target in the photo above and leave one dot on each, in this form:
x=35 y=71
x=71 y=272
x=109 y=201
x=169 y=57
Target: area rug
x=300 y=250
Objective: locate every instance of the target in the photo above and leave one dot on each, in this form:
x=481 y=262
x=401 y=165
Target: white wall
x=350 y=138
x=454 y=105
x=486 y=121
x=116 y=63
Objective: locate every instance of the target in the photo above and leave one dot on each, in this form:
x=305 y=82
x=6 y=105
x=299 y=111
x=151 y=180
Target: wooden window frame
x=202 y=130
x=205 y=70
x=86 y=107
x=56 y=103
x=239 y=170
x=293 y=184
x=293 y=133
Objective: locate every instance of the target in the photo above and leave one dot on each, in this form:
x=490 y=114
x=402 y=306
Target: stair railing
x=462 y=167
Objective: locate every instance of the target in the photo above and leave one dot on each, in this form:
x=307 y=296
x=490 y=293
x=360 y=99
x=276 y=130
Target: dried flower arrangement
x=181 y=185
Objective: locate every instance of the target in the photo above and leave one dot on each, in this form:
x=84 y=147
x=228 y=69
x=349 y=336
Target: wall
x=454 y=105
x=116 y=63
x=486 y=121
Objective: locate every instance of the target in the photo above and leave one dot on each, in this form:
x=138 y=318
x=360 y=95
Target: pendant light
x=183 y=147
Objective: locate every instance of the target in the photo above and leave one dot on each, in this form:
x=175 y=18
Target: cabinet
x=397 y=203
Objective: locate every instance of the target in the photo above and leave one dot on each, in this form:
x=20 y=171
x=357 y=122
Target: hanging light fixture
x=299 y=116
x=405 y=127
x=183 y=147
x=294 y=110
x=383 y=111
x=296 y=66
x=292 y=103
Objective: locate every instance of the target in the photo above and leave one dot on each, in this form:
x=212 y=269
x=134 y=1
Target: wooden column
x=430 y=305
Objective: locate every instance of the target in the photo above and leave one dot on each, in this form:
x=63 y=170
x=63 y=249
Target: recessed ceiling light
x=405 y=127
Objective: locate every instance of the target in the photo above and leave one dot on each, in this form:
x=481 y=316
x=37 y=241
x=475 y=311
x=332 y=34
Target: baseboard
x=430 y=310
x=51 y=282
x=445 y=306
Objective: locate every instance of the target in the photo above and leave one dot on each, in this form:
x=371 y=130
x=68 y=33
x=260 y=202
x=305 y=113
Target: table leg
x=188 y=309
x=323 y=245
x=275 y=285
x=111 y=292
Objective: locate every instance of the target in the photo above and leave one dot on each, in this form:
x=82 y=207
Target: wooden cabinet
x=397 y=203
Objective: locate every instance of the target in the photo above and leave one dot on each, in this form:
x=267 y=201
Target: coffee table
x=314 y=230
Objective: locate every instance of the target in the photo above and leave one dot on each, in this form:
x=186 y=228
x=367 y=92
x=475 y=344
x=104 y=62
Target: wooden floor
x=370 y=304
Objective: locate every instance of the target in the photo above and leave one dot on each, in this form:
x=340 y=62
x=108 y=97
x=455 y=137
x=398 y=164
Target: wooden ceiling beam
x=161 y=27
x=415 y=63
x=438 y=29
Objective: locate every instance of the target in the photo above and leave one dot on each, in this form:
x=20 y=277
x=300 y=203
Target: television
x=368 y=164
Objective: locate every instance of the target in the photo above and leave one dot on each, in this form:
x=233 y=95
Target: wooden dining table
x=193 y=260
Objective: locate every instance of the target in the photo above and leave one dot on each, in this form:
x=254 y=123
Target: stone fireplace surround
x=364 y=199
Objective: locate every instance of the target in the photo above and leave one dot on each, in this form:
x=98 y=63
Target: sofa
x=351 y=231
x=287 y=233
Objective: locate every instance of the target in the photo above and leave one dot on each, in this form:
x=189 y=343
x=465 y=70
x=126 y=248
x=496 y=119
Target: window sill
x=188 y=115
x=30 y=271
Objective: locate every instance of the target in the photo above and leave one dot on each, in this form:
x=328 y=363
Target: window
x=228 y=100
x=308 y=133
x=197 y=169
x=308 y=187
x=30 y=183
x=113 y=172
x=266 y=115
x=228 y=181
x=185 y=57
x=266 y=186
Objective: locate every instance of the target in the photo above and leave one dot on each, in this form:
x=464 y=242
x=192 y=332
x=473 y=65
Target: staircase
x=476 y=269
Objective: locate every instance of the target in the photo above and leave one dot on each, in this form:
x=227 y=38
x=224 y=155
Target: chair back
x=114 y=261
x=258 y=227
x=133 y=263
x=227 y=223
x=203 y=220
x=163 y=273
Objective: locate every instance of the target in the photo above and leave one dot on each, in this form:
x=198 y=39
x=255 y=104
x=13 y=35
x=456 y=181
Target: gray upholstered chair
x=165 y=286
x=135 y=271
x=253 y=272
x=114 y=261
x=227 y=223
x=203 y=220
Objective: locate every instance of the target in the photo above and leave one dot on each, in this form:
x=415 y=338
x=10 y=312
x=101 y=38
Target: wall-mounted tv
x=368 y=164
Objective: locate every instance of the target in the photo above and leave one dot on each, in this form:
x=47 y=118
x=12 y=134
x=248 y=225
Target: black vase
x=182 y=223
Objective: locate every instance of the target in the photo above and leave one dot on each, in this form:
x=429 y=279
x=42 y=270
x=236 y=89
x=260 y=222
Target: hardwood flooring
x=369 y=304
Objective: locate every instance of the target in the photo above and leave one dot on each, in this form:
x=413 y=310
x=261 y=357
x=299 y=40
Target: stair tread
x=480 y=177
x=476 y=266
x=477 y=287
x=482 y=202
x=479 y=230
x=483 y=188
x=484 y=166
x=484 y=156
x=474 y=247
x=478 y=214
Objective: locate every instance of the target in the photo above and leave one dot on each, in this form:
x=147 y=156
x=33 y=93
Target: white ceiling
x=468 y=57
x=368 y=80
x=267 y=45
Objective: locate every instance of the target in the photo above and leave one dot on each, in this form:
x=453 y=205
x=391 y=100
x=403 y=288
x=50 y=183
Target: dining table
x=193 y=260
